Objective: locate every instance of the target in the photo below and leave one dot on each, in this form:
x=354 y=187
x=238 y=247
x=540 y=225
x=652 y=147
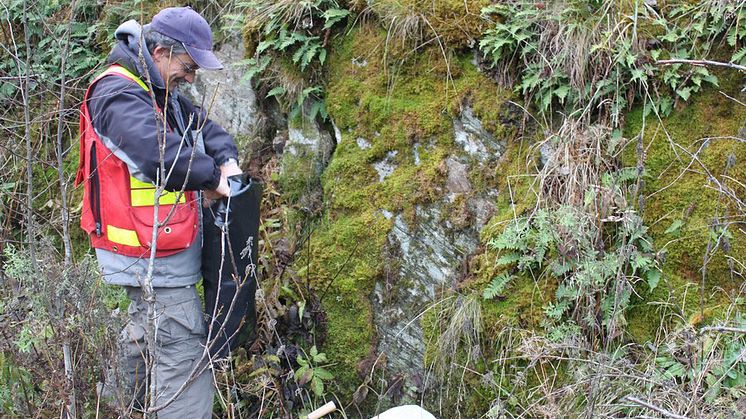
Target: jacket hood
x=127 y=50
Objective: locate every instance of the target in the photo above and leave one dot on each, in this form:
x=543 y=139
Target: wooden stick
x=323 y=410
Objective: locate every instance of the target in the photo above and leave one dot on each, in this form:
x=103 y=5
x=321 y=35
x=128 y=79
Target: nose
x=189 y=77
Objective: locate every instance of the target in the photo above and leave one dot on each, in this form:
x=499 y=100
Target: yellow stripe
x=122 y=236
x=146 y=198
x=123 y=71
x=138 y=184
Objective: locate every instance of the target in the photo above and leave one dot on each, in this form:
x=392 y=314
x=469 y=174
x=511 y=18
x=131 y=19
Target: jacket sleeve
x=218 y=143
x=123 y=117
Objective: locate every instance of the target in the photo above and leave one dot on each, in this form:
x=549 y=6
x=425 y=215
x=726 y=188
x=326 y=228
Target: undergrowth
x=598 y=58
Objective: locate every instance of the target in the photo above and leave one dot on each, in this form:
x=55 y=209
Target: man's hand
x=230 y=168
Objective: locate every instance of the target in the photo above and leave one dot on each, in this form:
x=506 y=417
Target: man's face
x=175 y=69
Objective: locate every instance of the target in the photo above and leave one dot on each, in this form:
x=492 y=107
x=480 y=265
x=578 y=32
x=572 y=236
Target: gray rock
x=481 y=210
x=386 y=166
x=458 y=177
x=363 y=143
x=474 y=139
x=423 y=259
x=307 y=152
x=235 y=107
x=306 y=140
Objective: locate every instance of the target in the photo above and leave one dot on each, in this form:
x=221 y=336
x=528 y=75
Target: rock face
x=429 y=256
x=306 y=153
x=235 y=107
x=474 y=139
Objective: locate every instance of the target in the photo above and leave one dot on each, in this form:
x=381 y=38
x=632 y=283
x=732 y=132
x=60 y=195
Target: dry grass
x=291 y=11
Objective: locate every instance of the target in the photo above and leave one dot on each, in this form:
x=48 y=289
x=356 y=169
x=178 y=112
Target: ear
x=158 y=52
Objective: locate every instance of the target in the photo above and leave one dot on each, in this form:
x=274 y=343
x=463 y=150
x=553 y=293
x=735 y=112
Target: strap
x=123 y=72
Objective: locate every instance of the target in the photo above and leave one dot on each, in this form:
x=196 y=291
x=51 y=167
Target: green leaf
x=323 y=374
x=314 y=351
x=653 y=276
x=675 y=227
x=684 y=93
x=279 y=90
x=306 y=376
x=676 y=370
x=301 y=361
x=322 y=56
x=301 y=309
x=317 y=386
x=299 y=54
x=264 y=45
x=308 y=56
x=739 y=57
x=497 y=286
x=332 y=16
x=561 y=92
x=508 y=259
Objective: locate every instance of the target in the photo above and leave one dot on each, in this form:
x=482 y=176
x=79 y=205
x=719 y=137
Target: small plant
x=290 y=43
x=311 y=372
x=595 y=55
x=711 y=364
x=583 y=235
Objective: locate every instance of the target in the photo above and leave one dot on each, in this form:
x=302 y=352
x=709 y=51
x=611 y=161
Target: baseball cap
x=185 y=25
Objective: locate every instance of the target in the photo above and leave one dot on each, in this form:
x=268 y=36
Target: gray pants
x=180 y=340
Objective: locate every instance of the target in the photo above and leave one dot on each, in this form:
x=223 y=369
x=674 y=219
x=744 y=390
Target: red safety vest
x=117 y=208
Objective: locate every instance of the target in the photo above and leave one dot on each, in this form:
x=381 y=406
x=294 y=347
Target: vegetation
x=607 y=282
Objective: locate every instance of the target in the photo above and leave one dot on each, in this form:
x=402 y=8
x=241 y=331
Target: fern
x=739 y=57
x=496 y=286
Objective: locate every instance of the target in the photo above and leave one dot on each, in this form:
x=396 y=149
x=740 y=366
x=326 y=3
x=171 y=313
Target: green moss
x=455 y=22
x=678 y=188
x=393 y=105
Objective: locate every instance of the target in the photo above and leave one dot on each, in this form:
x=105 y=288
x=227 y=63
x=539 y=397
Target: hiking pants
x=180 y=340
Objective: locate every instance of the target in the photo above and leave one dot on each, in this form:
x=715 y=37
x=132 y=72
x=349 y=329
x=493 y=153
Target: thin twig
x=722 y=329
x=650 y=406
x=702 y=63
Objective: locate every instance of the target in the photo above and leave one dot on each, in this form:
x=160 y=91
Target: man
x=129 y=111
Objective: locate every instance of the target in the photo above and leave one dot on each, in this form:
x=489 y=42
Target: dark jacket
x=123 y=116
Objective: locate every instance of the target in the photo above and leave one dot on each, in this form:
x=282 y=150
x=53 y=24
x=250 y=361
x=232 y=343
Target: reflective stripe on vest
x=142 y=194
x=122 y=236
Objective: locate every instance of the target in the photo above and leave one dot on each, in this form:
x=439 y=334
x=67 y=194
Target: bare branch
x=650 y=406
x=701 y=63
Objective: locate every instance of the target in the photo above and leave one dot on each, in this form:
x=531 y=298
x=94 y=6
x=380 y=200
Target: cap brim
x=203 y=58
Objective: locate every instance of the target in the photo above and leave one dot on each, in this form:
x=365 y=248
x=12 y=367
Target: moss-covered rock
x=397 y=183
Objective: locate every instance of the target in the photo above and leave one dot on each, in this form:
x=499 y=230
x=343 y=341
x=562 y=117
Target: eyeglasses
x=186 y=68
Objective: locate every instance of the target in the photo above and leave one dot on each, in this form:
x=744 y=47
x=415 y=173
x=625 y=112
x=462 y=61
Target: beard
x=176 y=85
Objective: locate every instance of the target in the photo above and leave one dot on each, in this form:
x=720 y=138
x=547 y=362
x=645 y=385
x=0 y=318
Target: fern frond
x=497 y=285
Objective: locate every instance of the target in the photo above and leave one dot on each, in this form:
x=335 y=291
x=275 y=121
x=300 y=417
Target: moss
x=392 y=105
x=457 y=23
x=677 y=188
